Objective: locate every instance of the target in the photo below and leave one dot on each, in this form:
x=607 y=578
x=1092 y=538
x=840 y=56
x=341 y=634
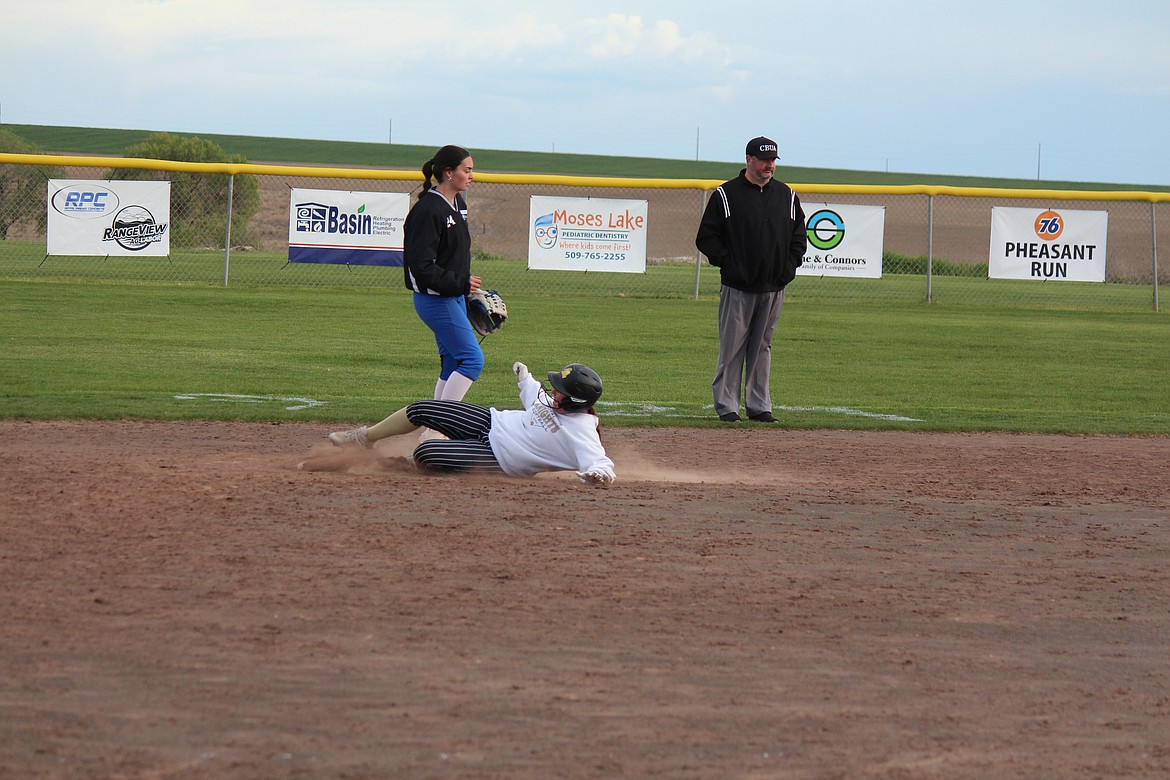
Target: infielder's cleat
x=765 y=417
x=729 y=417
x=345 y=438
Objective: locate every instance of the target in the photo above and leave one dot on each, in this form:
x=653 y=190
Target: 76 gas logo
x=1049 y=225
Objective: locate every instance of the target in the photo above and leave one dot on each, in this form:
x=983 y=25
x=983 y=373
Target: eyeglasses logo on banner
x=1049 y=225
x=825 y=229
x=546 y=231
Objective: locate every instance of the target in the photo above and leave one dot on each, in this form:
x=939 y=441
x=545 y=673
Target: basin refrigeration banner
x=844 y=240
x=1049 y=245
x=109 y=218
x=587 y=234
x=346 y=228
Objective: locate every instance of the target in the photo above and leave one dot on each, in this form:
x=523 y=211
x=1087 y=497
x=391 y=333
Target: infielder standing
x=753 y=231
x=555 y=431
x=437 y=267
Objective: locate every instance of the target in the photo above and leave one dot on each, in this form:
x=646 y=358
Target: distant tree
x=23 y=190
x=198 y=200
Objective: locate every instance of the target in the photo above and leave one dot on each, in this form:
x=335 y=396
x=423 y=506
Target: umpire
x=753 y=231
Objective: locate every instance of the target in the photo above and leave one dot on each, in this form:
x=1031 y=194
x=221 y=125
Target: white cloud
x=619 y=36
x=615 y=36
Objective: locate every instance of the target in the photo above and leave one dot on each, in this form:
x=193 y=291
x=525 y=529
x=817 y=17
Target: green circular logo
x=826 y=229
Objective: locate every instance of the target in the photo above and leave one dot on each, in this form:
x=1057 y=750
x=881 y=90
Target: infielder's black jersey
x=754 y=235
x=437 y=246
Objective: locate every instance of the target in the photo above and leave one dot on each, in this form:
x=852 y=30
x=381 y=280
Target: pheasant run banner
x=587 y=234
x=1049 y=245
x=347 y=228
x=105 y=218
x=844 y=240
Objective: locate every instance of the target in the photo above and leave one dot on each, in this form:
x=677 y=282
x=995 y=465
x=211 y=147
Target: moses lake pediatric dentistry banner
x=844 y=240
x=103 y=218
x=347 y=228
x=587 y=234
x=1044 y=244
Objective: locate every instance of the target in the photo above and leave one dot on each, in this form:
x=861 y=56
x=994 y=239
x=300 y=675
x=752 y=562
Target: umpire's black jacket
x=753 y=235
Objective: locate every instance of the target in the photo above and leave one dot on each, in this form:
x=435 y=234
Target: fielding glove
x=486 y=311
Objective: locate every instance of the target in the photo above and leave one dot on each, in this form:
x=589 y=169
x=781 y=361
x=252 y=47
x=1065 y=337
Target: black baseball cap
x=763 y=148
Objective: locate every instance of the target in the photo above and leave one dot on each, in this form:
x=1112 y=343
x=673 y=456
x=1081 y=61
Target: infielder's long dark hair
x=446 y=159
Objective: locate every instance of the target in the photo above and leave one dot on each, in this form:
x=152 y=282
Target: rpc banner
x=587 y=234
x=1050 y=245
x=844 y=240
x=347 y=228
x=109 y=218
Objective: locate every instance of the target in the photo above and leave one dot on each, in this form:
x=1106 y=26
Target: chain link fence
x=936 y=239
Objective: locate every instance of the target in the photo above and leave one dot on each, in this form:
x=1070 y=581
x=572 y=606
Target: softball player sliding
x=554 y=432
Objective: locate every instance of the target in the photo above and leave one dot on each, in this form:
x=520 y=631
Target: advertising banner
x=347 y=228
x=1050 y=245
x=587 y=234
x=109 y=218
x=844 y=240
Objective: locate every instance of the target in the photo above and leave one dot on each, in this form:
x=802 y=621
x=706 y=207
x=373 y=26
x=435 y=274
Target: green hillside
x=101 y=141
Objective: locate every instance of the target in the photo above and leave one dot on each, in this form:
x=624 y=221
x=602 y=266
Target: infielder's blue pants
x=459 y=350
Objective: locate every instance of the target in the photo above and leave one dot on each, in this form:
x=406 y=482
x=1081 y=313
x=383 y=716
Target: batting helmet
x=580 y=383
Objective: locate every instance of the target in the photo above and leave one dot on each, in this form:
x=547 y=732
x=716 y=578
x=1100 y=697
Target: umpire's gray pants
x=746 y=324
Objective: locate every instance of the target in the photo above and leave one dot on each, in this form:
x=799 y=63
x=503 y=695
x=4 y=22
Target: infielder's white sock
x=457 y=387
x=439 y=388
x=394 y=425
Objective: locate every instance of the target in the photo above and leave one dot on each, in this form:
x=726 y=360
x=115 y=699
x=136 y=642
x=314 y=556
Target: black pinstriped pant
x=466 y=427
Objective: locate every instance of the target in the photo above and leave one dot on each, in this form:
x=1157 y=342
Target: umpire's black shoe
x=729 y=417
x=763 y=417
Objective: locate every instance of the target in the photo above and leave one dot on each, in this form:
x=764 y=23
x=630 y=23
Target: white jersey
x=536 y=439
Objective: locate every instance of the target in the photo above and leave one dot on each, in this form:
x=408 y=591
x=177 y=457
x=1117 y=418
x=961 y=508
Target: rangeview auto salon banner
x=1044 y=244
x=103 y=218
x=347 y=228
x=844 y=240
x=587 y=234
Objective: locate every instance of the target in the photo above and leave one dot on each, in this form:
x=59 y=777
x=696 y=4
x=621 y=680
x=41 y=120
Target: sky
x=1063 y=90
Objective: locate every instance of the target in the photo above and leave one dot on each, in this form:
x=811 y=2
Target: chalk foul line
x=296 y=403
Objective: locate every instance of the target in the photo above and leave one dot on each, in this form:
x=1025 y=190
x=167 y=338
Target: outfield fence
x=936 y=238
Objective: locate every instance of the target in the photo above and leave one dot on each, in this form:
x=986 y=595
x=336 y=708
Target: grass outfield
x=351 y=355
x=97 y=341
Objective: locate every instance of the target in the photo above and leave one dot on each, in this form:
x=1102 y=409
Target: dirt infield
x=194 y=600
